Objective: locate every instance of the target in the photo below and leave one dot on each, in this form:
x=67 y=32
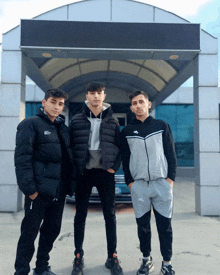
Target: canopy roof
x=134 y=47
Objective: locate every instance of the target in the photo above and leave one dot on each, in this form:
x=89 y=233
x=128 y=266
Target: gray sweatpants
x=158 y=193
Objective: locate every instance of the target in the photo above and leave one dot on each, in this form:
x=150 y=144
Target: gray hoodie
x=94 y=139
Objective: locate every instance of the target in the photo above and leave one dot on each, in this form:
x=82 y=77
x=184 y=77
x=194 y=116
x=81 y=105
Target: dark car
x=122 y=191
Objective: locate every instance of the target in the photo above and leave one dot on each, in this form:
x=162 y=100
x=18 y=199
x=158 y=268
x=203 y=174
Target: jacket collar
x=58 y=121
x=107 y=111
x=146 y=121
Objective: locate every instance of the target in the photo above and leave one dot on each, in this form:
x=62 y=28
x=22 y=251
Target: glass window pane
x=28 y=110
x=181 y=120
x=31 y=108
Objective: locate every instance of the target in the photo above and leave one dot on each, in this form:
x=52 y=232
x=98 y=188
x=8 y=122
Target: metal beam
x=175 y=83
x=35 y=74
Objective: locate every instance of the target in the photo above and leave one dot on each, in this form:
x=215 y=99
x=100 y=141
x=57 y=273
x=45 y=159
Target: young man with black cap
x=149 y=163
x=44 y=165
x=95 y=138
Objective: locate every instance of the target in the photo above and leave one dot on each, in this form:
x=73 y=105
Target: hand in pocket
x=33 y=197
x=170 y=182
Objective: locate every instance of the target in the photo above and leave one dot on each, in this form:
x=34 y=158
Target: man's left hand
x=110 y=170
x=170 y=182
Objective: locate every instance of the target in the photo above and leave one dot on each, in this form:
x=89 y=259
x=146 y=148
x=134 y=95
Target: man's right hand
x=130 y=184
x=33 y=197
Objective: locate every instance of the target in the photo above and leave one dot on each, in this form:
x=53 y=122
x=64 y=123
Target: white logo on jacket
x=136 y=132
x=47 y=133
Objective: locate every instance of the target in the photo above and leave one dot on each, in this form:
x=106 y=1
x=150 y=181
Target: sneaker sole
x=80 y=273
x=150 y=271
x=108 y=266
x=161 y=273
x=112 y=273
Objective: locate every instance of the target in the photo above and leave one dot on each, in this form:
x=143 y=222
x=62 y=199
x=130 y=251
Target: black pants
x=104 y=181
x=164 y=231
x=35 y=211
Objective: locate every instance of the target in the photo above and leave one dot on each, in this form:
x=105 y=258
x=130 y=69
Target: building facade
x=130 y=47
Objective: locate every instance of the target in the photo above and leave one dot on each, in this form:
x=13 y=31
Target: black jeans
x=41 y=209
x=104 y=181
x=165 y=233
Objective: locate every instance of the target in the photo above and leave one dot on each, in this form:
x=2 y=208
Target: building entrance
x=133 y=47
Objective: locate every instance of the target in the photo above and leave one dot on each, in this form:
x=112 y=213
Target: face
x=140 y=105
x=96 y=98
x=53 y=106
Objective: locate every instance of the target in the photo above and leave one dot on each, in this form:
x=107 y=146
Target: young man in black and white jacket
x=149 y=163
x=95 y=139
x=43 y=162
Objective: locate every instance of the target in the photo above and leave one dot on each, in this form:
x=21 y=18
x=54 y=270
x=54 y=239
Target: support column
x=206 y=135
x=12 y=111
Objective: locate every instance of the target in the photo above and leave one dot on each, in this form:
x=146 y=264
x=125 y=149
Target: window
x=31 y=108
x=180 y=118
x=122 y=119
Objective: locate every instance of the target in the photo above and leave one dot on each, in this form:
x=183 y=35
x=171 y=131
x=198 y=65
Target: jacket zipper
x=100 y=140
x=148 y=167
x=87 y=152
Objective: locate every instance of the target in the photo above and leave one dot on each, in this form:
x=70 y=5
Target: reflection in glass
x=180 y=119
x=31 y=108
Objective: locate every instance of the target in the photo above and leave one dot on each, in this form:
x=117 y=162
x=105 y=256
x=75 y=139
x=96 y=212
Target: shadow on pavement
x=96 y=207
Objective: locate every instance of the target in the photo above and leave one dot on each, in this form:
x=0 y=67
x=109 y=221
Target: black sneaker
x=167 y=270
x=46 y=272
x=78 y=265
x=113 y=265
x=146 y=267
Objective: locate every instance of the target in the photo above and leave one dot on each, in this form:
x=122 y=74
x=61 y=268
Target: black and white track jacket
x=148 y=151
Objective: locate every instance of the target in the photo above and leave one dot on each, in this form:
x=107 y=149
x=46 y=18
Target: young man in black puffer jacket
x=43 y=161
x=95 y=138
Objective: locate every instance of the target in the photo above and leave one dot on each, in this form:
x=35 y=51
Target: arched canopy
x=73 y=74
x=159 y=68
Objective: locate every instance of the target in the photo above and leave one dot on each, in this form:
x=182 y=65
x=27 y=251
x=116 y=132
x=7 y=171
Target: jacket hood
x=59 y=119
x=106 y=110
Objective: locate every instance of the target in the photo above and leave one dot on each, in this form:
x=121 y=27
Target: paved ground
x=196 y=239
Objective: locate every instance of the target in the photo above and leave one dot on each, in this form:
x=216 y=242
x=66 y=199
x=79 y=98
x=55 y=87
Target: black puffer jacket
x=43 y=158
x=109 y=140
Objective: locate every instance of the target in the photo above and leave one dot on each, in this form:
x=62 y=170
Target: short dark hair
x=55 y=93
x=132 y=95
x=95 y=86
